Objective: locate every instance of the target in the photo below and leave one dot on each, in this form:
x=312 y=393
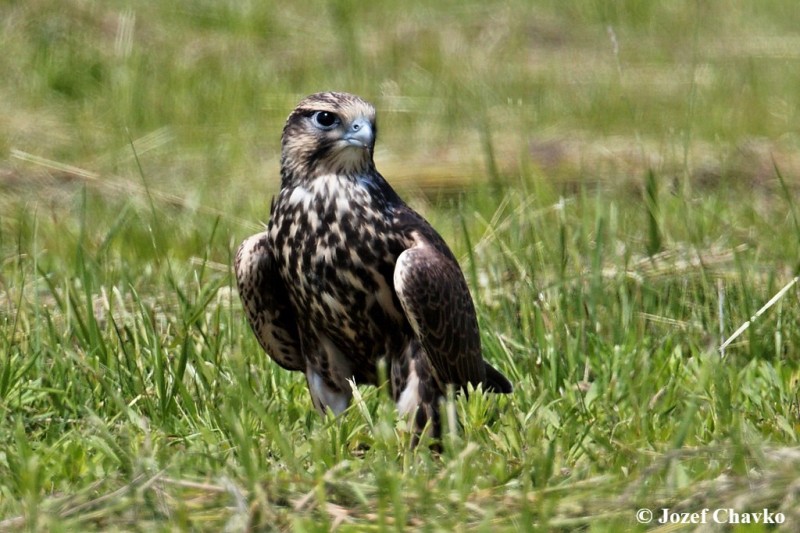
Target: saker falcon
x=347 y=274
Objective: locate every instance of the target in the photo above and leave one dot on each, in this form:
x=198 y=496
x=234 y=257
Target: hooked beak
x=360 y=134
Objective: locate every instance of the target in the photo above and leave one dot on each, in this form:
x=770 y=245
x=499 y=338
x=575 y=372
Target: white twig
x=760 y=312
x=721 y=312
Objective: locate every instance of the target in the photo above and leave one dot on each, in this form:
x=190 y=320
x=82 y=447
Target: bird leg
x=326 y=397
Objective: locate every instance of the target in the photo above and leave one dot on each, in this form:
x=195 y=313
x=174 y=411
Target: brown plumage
x=347 y=274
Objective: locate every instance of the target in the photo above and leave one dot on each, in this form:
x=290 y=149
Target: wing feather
x=435 y=298
x=266 y=302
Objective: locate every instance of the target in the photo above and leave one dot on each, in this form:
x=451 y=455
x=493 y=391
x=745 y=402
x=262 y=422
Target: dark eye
x=325 y=119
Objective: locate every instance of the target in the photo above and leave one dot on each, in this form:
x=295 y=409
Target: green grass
x=619 y=180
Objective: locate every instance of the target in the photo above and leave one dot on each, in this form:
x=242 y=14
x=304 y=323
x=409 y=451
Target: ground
x=618 y=181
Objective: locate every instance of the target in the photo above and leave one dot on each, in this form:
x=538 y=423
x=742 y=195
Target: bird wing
x=266 y=302
x=436 y=301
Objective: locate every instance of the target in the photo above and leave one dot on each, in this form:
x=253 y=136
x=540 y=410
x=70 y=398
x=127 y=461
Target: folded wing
x=435 y=298
x=266 y=302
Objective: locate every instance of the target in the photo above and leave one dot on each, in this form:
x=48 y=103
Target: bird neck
x=291 y=177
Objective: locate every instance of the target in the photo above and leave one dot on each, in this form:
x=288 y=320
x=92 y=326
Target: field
x=618 y=179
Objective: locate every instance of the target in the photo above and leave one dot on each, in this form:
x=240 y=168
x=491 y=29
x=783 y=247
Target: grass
x=618 y=179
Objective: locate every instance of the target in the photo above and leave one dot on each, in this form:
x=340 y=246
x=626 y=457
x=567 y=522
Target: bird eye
x=325 y=119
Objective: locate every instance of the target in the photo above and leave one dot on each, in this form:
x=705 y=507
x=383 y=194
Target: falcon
x=347 y=275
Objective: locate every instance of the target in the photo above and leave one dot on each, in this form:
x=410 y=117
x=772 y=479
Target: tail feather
x=496 y=381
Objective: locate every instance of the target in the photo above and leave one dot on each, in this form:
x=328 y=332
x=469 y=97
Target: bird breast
x=337 y=253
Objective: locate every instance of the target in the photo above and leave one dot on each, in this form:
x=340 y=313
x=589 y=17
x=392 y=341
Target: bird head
x=328 y=133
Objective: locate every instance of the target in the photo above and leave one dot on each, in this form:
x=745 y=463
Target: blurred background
x=704 y=93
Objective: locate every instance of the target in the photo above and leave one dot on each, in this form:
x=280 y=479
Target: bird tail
x=496 y=381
